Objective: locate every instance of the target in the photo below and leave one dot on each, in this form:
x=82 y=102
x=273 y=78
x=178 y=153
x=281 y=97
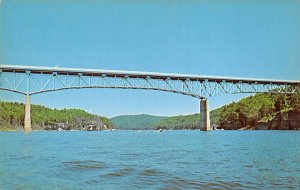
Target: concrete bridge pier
x=204 y=115
x=27 y=120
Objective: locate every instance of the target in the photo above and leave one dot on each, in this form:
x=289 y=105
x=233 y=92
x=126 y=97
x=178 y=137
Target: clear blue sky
x=228 y=38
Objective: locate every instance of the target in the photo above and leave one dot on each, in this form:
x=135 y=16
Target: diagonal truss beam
x=36 y=80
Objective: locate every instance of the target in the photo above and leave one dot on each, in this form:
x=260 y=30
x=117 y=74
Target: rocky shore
x=283 y=121
x=91 y=126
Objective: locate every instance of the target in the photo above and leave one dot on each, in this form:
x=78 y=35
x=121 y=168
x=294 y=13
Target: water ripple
x=149 y=172
x=170 y=160
x=79 y=165
x=119 y=173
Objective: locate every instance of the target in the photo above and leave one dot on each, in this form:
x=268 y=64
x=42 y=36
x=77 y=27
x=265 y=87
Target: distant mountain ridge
x=140 y=121
x=144 y=121
x=190 y=121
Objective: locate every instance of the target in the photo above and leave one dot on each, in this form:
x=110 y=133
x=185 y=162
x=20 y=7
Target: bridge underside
x=35 y=80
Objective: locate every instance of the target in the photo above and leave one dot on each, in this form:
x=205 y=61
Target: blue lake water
x=150 y=160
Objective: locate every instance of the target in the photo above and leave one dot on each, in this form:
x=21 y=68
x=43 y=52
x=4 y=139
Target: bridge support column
x=27 y=120
x=204 y=115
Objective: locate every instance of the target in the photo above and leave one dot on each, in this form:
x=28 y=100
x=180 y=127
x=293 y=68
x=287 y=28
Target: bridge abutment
x=204 y=115
x=27 y=119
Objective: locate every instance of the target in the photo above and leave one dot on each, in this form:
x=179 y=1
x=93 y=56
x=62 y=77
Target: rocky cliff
x=285 y=121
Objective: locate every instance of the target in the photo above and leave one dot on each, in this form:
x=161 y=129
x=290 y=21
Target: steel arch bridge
x=30 y=80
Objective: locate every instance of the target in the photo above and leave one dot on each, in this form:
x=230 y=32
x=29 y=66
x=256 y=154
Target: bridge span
x=32 y=80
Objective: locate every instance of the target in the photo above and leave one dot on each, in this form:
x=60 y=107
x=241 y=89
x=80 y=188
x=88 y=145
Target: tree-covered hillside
x=12 y=118
x=142 y=121
x=180 y=122
x=187 y=121
x=248 y=112
x=245 y=114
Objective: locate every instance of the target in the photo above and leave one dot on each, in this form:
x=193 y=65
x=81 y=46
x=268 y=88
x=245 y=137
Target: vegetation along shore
x=12 y=118
x=260 y=111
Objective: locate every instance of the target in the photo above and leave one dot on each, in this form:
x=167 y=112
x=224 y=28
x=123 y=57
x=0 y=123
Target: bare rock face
x=286 y=121
x=104 y=127
x=56 y=126
x=261 y=126
x=92 y=128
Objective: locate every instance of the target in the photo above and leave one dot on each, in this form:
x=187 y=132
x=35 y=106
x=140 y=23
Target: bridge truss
x=35 y=80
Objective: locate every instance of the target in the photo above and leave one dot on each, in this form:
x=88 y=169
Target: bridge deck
x=137 y=74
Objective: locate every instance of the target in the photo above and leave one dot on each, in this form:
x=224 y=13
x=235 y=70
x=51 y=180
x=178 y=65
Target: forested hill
x=270 y=111
x=144 y=121
x=141 y=121
x=12 y=118
x=191 y=121
x=260 y=111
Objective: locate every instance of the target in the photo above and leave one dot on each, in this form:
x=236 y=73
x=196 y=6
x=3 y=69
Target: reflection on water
x=148 y=160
